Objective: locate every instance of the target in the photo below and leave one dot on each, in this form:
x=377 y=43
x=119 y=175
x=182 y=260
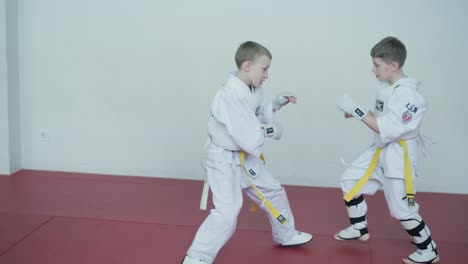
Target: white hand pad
x=348 y=105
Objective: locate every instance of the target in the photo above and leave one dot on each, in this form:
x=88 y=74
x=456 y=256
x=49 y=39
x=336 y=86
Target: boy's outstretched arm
x=370 y=121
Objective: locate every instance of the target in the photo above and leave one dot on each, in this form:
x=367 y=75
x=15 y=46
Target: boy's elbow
x=376 y=129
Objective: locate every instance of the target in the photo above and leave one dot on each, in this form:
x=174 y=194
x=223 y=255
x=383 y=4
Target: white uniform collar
x=235 y=81
x=239 y=84
x=407 y=81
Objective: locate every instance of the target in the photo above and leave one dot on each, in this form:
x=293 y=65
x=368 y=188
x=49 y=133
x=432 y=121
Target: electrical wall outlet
x=43 y=135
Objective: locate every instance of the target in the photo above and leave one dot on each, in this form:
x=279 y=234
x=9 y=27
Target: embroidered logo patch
x=359 y=112
x=281 y=219
x=252 y=172
x=406 y=117
x=411 y=107
x=379 y=105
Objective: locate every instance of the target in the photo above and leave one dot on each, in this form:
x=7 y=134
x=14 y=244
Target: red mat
x=54 y=217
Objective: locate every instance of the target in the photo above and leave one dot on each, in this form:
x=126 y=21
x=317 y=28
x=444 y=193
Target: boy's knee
x=403 y=214
x=275 y=193
x=347 y=185
x=228 y=214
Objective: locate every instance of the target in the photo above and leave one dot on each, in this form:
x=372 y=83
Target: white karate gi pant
x=388 y=176
x=227 y=181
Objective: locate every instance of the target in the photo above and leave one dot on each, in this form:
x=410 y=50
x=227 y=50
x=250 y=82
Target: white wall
x=10 y=140
x=14 y=134
x=123 y=87
x=4 y=131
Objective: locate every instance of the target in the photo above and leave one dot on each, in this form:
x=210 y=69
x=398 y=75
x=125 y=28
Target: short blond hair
x=249 y=51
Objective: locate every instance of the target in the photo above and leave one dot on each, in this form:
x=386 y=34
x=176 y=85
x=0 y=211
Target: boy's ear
x=395 y=65
x=246 y=65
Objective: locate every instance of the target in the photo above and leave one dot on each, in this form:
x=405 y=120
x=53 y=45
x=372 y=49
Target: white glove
x=283 y=99
x=348 y=105
x=272 y=130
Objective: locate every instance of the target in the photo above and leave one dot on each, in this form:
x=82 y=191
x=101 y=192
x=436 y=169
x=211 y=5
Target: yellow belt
x=408 y=176
x=271 y=209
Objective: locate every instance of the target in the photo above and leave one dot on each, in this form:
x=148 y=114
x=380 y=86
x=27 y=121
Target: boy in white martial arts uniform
x=241 y=119
x=390 y=163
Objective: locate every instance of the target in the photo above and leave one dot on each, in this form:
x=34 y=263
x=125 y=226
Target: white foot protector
x=300 y=238
x=352 y=233
x=426 y=256
x=189 y=260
